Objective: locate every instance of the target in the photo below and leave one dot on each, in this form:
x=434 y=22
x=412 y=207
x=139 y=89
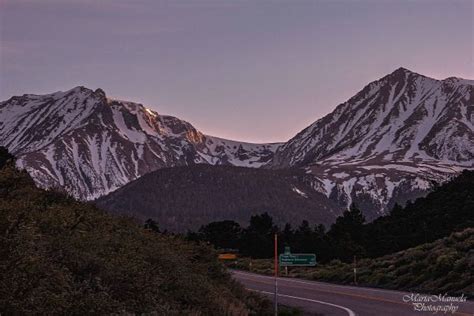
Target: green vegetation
x=443 y=266
x=449 y=208
x=289 y=311
x=61 y=256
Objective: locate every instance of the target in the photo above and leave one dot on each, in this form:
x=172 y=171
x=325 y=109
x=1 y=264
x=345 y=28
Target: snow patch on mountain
x=295 y=189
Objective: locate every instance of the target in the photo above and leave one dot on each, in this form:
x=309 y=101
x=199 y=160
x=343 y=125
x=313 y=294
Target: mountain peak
x=82 y=90
x=404 y=113
x=457 y=80
x=113 y=141
x=79 y=89
x=402 y=71
x=100 y=92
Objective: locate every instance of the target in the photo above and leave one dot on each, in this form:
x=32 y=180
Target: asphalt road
x=330 y=299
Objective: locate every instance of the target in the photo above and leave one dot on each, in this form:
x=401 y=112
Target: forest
x=448 y=208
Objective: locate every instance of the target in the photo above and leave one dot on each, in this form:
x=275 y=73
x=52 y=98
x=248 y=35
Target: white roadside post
x=276 y=274
x=355 y=270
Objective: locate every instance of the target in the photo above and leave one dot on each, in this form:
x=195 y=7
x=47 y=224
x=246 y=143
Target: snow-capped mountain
x=89 y=145
x=389 y=142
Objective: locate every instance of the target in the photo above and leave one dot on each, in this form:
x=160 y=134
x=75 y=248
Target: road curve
x=331 y=299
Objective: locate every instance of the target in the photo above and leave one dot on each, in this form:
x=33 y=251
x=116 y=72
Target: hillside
x=443 y=266
x=61 y=255
x=448 y=208
x=184 y=198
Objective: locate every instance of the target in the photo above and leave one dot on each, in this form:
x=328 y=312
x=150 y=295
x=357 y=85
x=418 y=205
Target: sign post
x=276 y=275
x=287 y=252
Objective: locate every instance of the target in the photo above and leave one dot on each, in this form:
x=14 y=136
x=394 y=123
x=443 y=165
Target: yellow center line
x=347 y=294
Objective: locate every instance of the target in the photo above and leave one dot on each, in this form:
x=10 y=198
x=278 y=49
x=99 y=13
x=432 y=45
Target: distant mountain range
x=389 y=143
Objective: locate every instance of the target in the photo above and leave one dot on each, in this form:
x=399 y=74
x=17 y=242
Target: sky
x=257 y=71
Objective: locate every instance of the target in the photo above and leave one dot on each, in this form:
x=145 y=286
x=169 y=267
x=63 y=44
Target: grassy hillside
x=445 y=265
x=60 y=256
x=183 y=198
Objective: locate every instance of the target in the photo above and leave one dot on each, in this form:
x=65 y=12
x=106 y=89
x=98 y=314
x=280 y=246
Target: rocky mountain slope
x=89 y=145
x=389 y=142
x=184 y=198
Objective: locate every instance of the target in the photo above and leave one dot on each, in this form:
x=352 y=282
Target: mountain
x=389 y=143
x=392 y=142
x=184 y=198
x=89 y=145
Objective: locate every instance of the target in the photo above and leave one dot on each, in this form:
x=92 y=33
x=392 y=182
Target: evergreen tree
x=223 y=235
x=286 y=237
x=346 y=236
x=152 y=225
x=5 y=156
x=257 y=239
x=304 y=238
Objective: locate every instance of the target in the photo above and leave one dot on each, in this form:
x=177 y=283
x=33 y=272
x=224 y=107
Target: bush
x=61 y=256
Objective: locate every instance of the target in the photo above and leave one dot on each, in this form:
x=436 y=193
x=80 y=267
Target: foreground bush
x=61 y=256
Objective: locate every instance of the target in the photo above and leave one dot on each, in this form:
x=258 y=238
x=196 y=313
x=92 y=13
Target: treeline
x=449 y=208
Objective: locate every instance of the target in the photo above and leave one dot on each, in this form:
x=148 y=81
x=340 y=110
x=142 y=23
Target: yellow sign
x=227 y=256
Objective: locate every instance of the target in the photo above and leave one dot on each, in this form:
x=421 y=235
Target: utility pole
x=276 y=274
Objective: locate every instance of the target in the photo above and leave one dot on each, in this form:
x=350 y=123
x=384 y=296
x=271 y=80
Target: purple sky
x=244 y=69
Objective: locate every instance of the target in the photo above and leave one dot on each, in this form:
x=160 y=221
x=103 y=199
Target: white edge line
x=349 y=311
x=323 y=283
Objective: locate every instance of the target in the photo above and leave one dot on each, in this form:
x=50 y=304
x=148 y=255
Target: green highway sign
x=297 y=259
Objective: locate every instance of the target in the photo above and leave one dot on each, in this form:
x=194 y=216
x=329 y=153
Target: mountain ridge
x=389 y=143
x=77 y=138
x=393 y=86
